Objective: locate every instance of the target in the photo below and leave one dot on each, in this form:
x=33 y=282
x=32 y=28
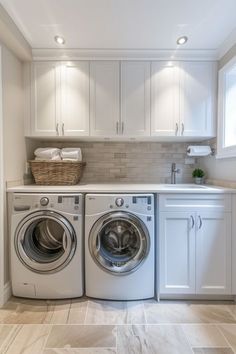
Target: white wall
x=221 y=169
x=14 y=150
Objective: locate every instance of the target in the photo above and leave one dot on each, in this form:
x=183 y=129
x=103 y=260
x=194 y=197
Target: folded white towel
x=47 y=153
x=54 y=158
x=71 y=154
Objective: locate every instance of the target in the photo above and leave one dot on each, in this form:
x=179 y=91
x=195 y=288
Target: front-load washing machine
x=119 y=246
x=46 y=245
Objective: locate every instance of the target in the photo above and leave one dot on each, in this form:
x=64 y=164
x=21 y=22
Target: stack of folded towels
x=55 y=154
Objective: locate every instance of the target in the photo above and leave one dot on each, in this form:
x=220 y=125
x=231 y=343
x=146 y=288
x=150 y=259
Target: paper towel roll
x=198 y=150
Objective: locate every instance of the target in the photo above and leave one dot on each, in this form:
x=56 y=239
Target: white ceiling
x=124 y=24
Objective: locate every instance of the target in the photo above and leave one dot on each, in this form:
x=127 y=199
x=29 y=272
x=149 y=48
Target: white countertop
x=122 y=188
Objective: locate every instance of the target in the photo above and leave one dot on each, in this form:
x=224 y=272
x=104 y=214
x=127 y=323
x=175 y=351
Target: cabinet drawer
x=194 y=202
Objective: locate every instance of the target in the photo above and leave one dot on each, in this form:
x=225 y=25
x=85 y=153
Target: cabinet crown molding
x=124 y=54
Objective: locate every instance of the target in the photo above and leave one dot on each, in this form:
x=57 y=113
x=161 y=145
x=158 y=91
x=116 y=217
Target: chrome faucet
x=174 y=170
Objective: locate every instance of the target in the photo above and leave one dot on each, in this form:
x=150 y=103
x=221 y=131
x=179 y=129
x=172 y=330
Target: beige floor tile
x=187 y=313
x=58 y=311
x=30 y=339
x=25 y=311
x=82 y=336
x=229 y=331
x=7 y=335
x=152 y=339
x=212 y=351
x=78 y=311
x=115 y=312
x=204 y=336
x=80 y=351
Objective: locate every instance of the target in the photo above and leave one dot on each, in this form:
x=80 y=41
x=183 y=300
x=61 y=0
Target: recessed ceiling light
x=59 y=40
x=182 y=40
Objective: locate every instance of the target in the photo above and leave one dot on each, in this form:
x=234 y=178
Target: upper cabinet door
x=197 y=99
x=45 y=99
x=75 y=98
x=104 y=98
x=213 y=253
x=135 y=98
x=164 y=99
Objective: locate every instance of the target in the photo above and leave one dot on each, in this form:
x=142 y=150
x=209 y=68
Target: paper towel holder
x=213 y=151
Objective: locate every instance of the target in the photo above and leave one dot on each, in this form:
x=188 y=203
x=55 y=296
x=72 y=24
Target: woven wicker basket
x=51 y=173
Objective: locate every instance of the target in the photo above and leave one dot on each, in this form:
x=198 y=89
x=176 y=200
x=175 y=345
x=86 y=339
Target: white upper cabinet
x=164 y=99
x=130 y=99
x=75 y=98
x=45 y=99
x=197 y=99
x=213 y=253
x=60 y=99
x=183 y=99
x=105 y=98
x=135 y=98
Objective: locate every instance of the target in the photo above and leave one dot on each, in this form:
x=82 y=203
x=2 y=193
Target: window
x=226 y=143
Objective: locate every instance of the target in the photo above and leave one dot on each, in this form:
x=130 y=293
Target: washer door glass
x=119 y=242
x=45 y=241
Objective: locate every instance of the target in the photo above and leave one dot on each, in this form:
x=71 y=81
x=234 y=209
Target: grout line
x=185 y=336
x=68 y=315
x=46 y=338
x=218 y=327
x=85 y=317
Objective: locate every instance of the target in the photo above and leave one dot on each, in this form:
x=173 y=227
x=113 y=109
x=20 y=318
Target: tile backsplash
x=130 y=162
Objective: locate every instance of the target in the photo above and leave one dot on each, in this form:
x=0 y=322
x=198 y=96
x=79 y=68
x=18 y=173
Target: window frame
x=222 y=151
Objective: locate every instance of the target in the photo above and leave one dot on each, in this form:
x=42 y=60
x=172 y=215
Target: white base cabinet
x=213 y=253
x=177 y=253
x=194 y=246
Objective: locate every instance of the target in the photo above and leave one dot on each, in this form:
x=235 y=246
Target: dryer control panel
x=136 y=203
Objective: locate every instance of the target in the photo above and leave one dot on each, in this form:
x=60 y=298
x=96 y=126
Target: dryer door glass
x=119 y=242
x=45 y=241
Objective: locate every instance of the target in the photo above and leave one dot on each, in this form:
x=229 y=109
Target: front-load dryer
x=47 y=245
x=119 y=246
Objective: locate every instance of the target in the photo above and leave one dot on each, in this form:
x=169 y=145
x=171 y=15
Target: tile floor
x=85 y=326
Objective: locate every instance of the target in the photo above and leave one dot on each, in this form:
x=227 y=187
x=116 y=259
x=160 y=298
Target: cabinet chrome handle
x=117 y=127
x=182 y=132
x=193 y=222
x=63 y=128
x=200 y=222
x=57 y=129
x=122 y=128
x=176 y=128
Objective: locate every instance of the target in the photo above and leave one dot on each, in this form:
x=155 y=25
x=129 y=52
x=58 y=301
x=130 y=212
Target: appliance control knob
x=44 y=201
x=119 y=202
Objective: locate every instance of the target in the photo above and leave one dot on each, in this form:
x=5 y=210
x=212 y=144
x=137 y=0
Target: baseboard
x=7 y=292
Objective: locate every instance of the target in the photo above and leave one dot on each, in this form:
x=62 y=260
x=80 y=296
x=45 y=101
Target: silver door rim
x=50 y=267
x=144 y=237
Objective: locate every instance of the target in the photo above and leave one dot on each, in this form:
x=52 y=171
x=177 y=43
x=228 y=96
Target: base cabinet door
x=213 y=253
x=177 y=253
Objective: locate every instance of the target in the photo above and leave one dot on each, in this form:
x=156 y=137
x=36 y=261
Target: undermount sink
x=184 y=186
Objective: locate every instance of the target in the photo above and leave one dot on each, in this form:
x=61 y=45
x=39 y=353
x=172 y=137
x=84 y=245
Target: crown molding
x=227 y=44
x=12 y=38
x=123 y=54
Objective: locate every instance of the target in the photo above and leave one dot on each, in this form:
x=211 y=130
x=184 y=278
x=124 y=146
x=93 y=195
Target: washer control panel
x=69 y=203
